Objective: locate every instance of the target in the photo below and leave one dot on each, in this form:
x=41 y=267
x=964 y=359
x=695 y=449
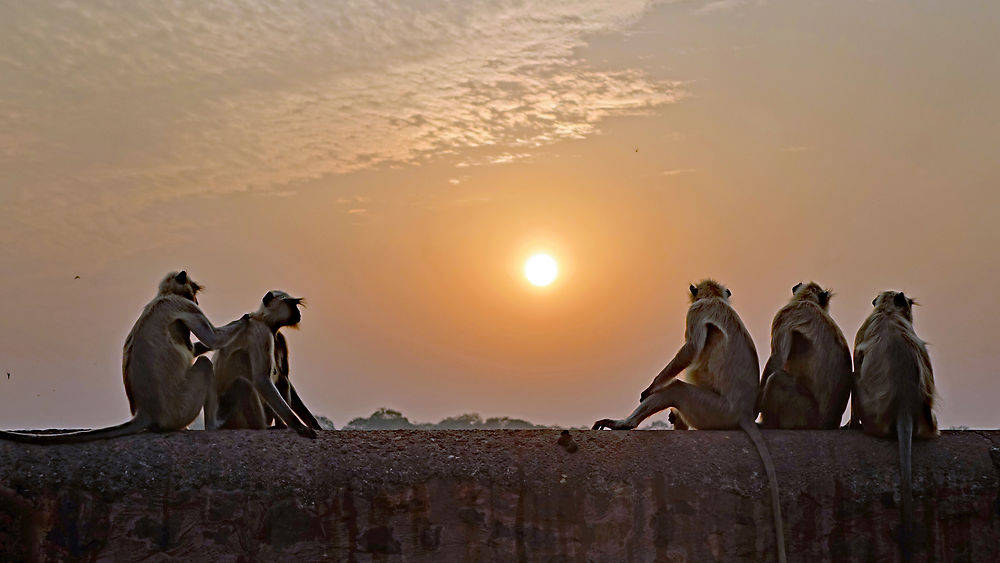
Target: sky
x=396 y=164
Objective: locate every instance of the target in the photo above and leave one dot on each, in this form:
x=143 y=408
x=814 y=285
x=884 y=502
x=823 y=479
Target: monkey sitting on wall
x=723 y=379
x=894 y=389
x=246 y=373
x=807 y=379
x=165 y=391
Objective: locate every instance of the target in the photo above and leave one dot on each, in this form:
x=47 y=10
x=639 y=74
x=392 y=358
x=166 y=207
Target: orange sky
x=396 y=165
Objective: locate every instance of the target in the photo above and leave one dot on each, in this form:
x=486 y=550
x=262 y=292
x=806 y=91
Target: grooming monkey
x=165 y=391
x=894 y=389
x=246 y=372
x=723 y=375
x=807 y=379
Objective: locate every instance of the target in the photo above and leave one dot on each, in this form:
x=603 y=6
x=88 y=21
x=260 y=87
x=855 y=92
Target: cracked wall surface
x=493 y=495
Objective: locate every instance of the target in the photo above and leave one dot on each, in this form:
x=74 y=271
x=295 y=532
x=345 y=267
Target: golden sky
x=397 y=163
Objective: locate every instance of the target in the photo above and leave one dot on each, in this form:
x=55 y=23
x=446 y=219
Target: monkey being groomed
x=723 y=378
x=165 y=386
x=894 y=390
x=249 y=370
x=807 y=379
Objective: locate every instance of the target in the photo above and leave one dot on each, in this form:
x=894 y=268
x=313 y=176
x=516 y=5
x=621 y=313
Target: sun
x=541 y=269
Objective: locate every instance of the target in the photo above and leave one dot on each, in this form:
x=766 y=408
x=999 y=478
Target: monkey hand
x=245 y=318
x=306 y=432
x=611 y=424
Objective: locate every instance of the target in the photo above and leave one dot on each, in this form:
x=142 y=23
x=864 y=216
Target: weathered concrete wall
x=492 y=495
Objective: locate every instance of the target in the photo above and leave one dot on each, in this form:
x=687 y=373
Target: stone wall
x=492 y=495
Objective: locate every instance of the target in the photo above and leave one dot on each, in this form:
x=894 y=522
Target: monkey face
x=281 y=309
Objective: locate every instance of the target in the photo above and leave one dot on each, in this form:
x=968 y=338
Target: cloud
x=126 y=105
x=678 y=171
x=723 y=6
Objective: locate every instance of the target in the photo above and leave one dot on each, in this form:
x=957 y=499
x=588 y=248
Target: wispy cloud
x=111 y=104
x=722 y=6
x=678 y=171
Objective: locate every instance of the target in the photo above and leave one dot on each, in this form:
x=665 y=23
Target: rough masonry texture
x=492 y=495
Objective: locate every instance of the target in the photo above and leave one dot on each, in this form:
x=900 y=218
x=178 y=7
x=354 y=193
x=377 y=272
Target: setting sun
x=541 y=269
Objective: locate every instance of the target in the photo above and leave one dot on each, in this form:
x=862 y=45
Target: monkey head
x=812 y=292
x=894 y=302
x=278 y=309
x=707 y=289
x=178 y=283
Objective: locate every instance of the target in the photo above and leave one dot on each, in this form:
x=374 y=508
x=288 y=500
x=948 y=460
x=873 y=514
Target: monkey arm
x=300 y=409
x=261 y=363
x=859 y=354
x=200 y=349
x=682 y=360
x=212 y=337
x=781 y=346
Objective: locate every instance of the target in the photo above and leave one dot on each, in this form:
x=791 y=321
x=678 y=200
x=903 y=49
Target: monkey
x=165 y=386
x=807 y=380
x=723 y=378
x=246 y=373
x=894 y=390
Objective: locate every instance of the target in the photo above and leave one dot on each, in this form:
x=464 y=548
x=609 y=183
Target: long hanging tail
x=904 y=435
x=133 y=426
x=751 y=429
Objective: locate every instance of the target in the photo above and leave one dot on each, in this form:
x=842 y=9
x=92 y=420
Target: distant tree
x=389 y=419
x=382 y=419
x=508 y=423
x=325 y=422
x=468 y=421
x=658 y=425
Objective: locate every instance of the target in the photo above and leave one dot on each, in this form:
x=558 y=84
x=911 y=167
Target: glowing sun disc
x=541 y=269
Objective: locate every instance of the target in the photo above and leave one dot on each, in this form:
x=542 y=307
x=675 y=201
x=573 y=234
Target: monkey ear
x=796 y=287
x=729 y=293
x=181 y=277
x=900 y=300
x=694 y=290
x=873 y=301
x=824 y=298
x=268 y=297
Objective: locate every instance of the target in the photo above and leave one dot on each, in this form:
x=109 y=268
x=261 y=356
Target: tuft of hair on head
x=708 y=289
x=179 y=283
x=812 y=291
x=894 y=302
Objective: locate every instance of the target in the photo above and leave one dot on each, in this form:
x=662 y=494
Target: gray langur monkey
x=165 y=390
x=807 y=379
x=723 y=379
x=246 y=373
x=894 y=390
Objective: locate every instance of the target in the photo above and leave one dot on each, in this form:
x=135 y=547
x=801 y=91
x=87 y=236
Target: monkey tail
x=904 y=435
x=751 y=429
x=133 y=426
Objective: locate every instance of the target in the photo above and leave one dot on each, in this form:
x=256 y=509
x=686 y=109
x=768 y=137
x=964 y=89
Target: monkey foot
x=611 y=424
